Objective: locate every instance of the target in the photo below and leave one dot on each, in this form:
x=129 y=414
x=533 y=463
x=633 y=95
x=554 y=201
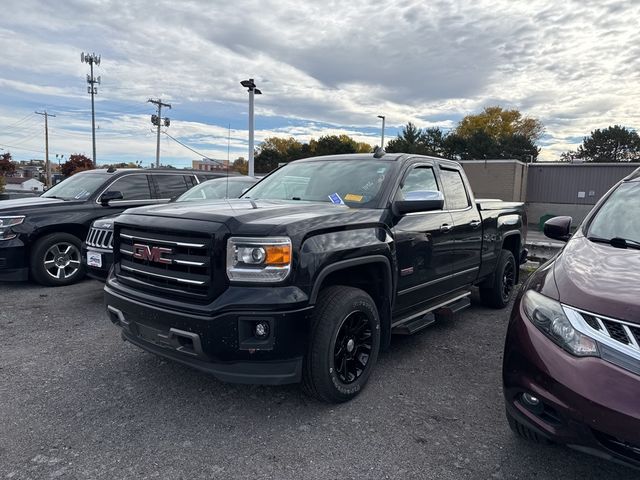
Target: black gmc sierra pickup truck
x=306 y=277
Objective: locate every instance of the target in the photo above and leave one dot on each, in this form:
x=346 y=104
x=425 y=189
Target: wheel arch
x=371 y=274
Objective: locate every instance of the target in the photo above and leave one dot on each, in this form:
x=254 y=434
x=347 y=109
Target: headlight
x=548 y=315
x=5 y=226
x=258 y=259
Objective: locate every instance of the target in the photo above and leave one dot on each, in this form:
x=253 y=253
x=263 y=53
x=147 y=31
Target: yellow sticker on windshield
x=350 y=197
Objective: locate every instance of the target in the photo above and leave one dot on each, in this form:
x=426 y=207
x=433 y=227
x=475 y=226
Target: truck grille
x=165 y=264
x=100 y=238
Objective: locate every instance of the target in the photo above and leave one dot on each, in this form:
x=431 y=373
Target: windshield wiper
x=617 y=242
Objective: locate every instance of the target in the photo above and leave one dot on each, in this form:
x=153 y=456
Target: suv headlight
x=258 y=259
x=5 y=226
x=548 y=315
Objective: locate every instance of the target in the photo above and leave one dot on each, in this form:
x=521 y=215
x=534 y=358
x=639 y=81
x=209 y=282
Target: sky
x=324 y=67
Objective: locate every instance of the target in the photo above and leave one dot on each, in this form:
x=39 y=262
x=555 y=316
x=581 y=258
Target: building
x=209 y=165
x=23 y=184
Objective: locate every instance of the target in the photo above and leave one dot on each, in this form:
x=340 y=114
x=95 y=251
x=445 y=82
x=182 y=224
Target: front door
x=423 y=245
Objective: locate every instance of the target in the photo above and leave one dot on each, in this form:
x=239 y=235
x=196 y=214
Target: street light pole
x=382 y=139
x=251 y=88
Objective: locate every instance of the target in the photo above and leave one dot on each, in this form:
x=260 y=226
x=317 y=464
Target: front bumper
x=589 y=404
x=98 y=273
x=14 y=260
x=221 y=344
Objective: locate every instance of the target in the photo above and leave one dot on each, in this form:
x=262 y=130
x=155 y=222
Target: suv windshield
x=357 y=183
x=619 y=216
x=216 y=189
x=77 y=187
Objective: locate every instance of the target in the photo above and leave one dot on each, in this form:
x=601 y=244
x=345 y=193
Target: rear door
x=423 y=244
x=171 y=185
x=467 y=226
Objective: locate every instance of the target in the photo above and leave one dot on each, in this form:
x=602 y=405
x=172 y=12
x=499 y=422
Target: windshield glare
x=619 y=216
x=77 y=187
x=216 y=189
x=356 y=183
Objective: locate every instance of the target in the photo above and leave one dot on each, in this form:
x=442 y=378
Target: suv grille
x=100 y=238
x=163 y=263
x=625 y=333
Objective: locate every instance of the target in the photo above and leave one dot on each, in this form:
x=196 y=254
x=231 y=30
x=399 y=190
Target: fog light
x=532 y=403
x=262 y=330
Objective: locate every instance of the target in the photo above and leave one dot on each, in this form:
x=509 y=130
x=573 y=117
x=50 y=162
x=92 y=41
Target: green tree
x=2 y=184
x=76 y=163
x=408 y=141
x=241 y=166
x=334 y=145
x=363 y=147
x=275 y=150
x=7 y=167
x=612 y=144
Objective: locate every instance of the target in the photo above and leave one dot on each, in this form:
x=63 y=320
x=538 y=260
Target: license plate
x=94 y=259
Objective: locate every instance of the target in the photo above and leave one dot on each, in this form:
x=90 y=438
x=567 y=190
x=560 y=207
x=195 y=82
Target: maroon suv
x=571 y=367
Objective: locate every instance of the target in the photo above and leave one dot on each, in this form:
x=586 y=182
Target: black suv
x=41 y=238
x=309 y=273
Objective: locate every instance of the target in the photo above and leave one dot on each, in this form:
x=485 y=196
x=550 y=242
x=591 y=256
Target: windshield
x=357 y=183
x=619 y=216
x=77 y=187
x=216 y=189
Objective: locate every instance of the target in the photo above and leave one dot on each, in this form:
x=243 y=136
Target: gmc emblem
x=152 y=254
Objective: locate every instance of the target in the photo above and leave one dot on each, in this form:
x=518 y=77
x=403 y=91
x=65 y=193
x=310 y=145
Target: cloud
x=324 y=67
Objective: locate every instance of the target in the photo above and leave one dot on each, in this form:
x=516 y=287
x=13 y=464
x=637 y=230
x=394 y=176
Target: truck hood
x=244 y=216
x=600 y=278
x=21 y=206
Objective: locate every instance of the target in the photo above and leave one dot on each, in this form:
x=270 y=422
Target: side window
x=191 y=181
x=420 y=179
x=170 y=186
x=455 y=193
x=133 y=187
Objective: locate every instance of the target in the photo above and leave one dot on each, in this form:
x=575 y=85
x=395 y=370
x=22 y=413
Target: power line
x=20 y=148
x=194 y=151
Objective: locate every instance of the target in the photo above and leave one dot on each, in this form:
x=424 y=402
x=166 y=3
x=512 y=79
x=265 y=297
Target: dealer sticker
x=94 y=259
x=335 y=198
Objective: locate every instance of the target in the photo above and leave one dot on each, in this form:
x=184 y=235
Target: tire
x=56 y=260
x=498 y=295
x=525 y=432
x=345 y=335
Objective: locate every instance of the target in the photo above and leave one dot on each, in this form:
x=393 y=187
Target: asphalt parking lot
x=77 y=402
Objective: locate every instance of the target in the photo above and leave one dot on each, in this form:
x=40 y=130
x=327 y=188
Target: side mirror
x=109 y=196
x=419 y=201
x=558 y=228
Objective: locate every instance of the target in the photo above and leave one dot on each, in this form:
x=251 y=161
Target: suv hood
x=244 y=216
x=19 y=205
x=600 y=278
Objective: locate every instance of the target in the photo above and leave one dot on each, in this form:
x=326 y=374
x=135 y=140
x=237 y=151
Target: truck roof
x=390 y=157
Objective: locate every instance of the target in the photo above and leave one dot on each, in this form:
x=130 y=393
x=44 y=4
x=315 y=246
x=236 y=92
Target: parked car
x=307 y=275
x=41 y=238
x=97 y=251
x=572 y=355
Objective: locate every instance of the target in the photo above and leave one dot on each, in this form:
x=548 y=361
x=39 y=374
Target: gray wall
x=564 y=182
x=503 y=179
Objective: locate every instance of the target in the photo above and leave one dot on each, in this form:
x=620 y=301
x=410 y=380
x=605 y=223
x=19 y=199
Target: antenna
x=228 y=160
x=379 y=152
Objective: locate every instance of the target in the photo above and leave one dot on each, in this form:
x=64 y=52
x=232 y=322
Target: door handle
x=446 y=228
x=475 y=223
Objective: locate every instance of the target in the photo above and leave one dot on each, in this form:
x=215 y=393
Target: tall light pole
x=382 y=139
x=253 y=90
x=91 y=59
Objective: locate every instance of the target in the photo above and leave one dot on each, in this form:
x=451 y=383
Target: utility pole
x=46 y=145
x=91 y=59
x=382 y=140
x=253 y=90
x=158 y=120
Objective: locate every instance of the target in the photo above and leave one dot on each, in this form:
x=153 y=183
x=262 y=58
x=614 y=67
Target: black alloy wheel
x=353 y=346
